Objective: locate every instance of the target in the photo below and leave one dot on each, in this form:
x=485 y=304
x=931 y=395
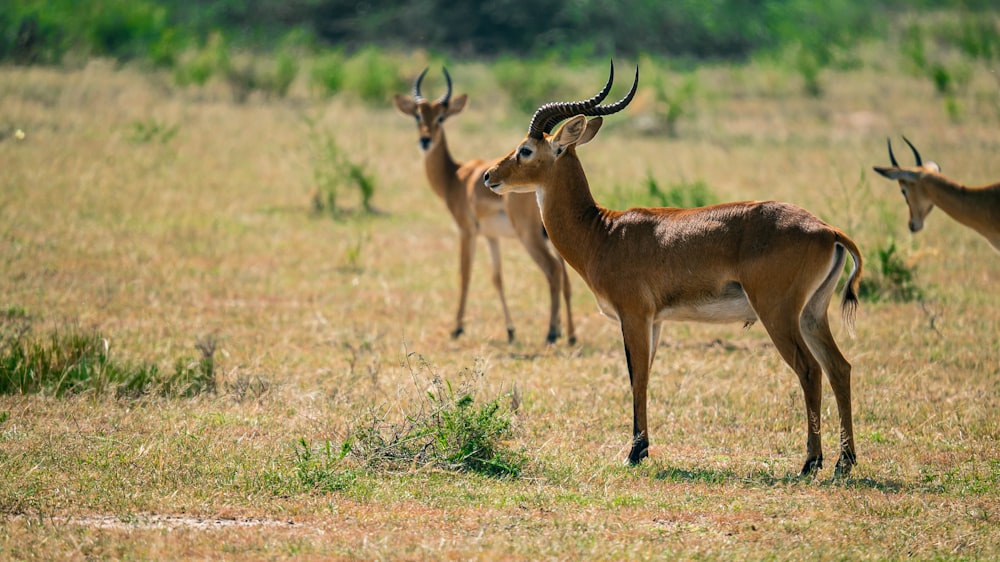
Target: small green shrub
x=198 y=67
x=320 y=469
x=674 y=103
x=889 y=277
x=280 y=77
x=334 y=170
x=912 y=46
x=328 y=74
x=448 y=430
x=373 y=76
x=166 y=50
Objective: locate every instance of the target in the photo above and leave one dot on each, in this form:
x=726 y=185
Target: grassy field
x=163 y=217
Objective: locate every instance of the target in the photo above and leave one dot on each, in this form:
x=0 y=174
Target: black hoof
x=552 y=336
x=510 y=335
x=811 y=466
x=456 y=333
x=640 y=450
x=845 y=463
x=571 y=340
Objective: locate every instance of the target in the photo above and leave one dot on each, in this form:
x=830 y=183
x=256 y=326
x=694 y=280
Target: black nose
x=425 y=143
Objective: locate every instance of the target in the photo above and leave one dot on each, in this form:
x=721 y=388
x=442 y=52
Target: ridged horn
x=443 y=100
x=548 y=115
x=892 y=157
x=416 y=86
x=915 y=153
x=618 y=105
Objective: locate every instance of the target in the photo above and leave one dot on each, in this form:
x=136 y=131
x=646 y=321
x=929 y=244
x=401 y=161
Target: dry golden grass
x=158 y=244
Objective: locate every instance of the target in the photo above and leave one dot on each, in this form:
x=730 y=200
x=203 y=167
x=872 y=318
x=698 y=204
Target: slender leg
x=523 y=212
x=466 y=253
x=567 y=296
x=838 y=370
x=637 y=333
x=780 y=318
x=494 y=245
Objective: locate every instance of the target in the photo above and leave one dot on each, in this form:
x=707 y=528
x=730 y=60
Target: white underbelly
x=720 y=311
x=723 y=311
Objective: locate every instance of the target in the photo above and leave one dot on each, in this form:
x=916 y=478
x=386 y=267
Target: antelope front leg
x=466 y=253
x=568 y=297
x=637 y=334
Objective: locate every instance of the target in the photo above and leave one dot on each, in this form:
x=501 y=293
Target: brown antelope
x=923 y=187
x=479 y=211
x=734 y=262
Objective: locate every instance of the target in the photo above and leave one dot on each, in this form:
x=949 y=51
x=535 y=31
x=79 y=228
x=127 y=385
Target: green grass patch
x=75 y=361
x=683 y=194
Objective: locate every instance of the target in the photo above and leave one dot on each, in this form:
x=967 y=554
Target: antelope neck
x=572 y=219
x=440 y=167
x=973 y=207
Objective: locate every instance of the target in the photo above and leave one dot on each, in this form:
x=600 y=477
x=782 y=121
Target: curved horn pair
x=892 y=158
x=443 y=100
x=549 y=114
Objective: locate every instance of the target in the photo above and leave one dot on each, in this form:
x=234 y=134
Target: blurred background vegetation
x=159 y=31
x=354 y=46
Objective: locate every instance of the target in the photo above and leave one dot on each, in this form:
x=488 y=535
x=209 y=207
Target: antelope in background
x=923 y=187
x=478 y=211
x=734 y=262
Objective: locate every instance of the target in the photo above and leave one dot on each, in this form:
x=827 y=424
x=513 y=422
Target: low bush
x=449 y=430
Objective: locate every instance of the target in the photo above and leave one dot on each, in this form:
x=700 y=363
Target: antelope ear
x=405 y=104
x=593 y=126
x=897 y=173
x=569 y=134
x=457 y=104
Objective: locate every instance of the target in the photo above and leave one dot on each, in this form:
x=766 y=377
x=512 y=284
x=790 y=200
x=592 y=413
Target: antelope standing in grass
x=734 y=262
x=479 y=211
x=923 y=187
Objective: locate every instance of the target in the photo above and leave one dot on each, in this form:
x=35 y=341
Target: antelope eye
x=524 y=152
x=440 y=119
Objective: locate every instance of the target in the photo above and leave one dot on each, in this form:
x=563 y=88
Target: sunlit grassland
x=161 y=240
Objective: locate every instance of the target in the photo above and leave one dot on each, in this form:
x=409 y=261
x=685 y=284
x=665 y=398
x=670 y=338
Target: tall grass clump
x=674 y=102
x=448 y=428
x=889 y=277
x=74 y=361
x=334 y=170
